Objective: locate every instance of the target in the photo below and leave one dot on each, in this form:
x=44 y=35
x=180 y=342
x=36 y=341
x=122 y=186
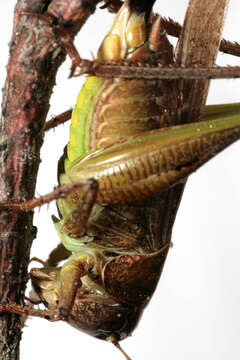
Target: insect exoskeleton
x=115 y=265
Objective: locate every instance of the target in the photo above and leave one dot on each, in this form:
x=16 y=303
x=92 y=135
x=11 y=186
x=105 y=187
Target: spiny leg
x=78 y=265
x=87 y=66
x=167 y=155
x=59 y=193
x=74 y=225
x=29 y=311
x=58 y=120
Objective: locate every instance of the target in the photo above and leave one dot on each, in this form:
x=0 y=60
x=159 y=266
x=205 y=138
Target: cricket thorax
x=93 y=310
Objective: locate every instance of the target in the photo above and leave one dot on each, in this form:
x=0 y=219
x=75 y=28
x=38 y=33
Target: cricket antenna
x=122 y=351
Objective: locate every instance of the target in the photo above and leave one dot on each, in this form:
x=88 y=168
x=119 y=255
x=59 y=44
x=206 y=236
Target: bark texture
x=35 y=55
x=198 y=46
x=199 y=43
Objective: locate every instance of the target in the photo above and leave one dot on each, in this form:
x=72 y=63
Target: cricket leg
x=58 y=120
x=60 y=192
x=221 y=111
x=70 y=280
x=74 y=224
x=58 y=254
x=29 y=311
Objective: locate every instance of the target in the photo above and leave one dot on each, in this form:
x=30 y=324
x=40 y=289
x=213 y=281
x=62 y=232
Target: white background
x=195 y=311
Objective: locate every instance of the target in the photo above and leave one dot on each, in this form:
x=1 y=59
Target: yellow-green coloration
x=125 y=135
x=79 y=132
x=228 y=112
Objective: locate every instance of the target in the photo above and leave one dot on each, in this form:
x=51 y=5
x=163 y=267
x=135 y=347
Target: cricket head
x=107 y=304
x=93 y=310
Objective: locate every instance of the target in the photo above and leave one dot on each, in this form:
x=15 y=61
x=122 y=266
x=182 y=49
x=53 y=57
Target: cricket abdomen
x=124 y=108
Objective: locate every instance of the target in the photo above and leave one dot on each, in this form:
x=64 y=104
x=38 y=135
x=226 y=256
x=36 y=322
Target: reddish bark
x=35 y=56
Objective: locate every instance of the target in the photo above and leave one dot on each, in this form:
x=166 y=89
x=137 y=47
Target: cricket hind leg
x=60 y=192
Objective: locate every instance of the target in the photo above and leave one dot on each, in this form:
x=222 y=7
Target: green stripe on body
x=78 y=145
